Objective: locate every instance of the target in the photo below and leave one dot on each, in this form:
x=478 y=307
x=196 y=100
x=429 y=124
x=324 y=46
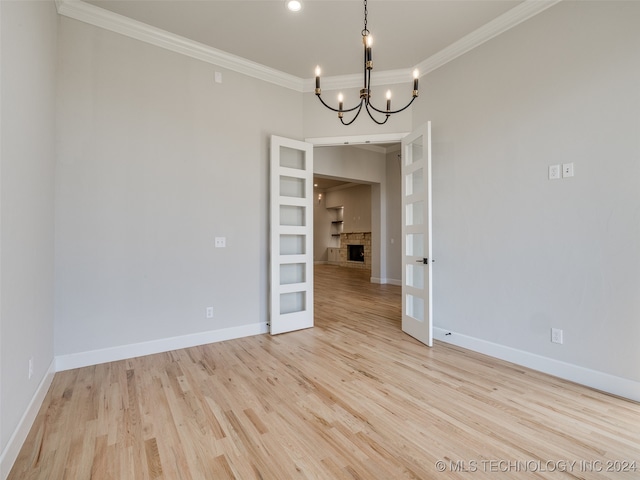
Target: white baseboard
x=95 y=357
x=591 y=378
x=19 y=435
x=384 y=281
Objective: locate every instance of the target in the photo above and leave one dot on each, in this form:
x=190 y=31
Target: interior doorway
x=385 y=212
x=341 y=280
x=374 y=174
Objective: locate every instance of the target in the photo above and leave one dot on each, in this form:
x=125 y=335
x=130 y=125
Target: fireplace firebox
x=355 y=253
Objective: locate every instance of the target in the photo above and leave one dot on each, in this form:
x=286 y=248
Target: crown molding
x=114 y=22
x=99 y=17
x=506 y=21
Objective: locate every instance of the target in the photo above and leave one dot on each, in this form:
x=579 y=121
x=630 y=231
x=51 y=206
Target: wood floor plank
x=352 y=398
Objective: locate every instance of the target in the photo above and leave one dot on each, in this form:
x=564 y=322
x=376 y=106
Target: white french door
x=291 y=260
x=416 y=235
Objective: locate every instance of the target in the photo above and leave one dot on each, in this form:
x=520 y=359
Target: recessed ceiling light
x=294 y=5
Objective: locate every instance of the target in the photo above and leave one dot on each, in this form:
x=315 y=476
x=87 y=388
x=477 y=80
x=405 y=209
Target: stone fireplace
x=355 y=250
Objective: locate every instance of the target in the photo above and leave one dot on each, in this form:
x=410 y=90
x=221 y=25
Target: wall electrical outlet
x=221 y=242
x=556 y=335
x=209 y=312
x=554 y=172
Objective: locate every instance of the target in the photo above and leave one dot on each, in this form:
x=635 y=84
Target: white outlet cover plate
x=556 y=335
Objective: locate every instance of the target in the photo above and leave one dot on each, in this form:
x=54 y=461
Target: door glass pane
x=292 y=244
x=292 y=302
x=291 y=187
x=414 y=182
x=414 y=213
x=291 y=158
x=415 y=275
x=415 y=245
x=292 y=215
x=415 y=307
x=415 y=152
x=292 y=273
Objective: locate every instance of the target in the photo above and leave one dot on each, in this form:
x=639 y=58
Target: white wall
x=349 y=163
x=518 y=254
x=321 y=226
x=155 y=160
x=28 y=58
x=357 y=207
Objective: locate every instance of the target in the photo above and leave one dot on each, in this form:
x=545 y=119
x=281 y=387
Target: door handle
x=424 y=260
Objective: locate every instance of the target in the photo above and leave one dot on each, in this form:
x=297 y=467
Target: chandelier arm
x=373 y=118
x=391 y=112
x=336 y=109
x=354 y=118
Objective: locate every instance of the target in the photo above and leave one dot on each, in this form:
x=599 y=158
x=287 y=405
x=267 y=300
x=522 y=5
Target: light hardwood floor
x=352 y=398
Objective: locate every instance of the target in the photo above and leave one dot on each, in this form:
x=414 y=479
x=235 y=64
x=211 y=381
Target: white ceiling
x=324 y=32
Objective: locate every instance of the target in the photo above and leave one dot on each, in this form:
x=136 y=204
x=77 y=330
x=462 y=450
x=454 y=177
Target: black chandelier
x=365 y=92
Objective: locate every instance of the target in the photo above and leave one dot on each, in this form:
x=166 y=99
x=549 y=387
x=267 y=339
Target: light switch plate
x=567 y=170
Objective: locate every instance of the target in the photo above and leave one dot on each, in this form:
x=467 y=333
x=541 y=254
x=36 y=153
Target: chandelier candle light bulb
x=365 y=92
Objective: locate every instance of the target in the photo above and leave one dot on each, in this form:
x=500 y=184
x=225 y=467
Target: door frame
x=357 y=139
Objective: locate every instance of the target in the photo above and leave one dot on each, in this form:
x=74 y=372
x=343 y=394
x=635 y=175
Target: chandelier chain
x=365 y=30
